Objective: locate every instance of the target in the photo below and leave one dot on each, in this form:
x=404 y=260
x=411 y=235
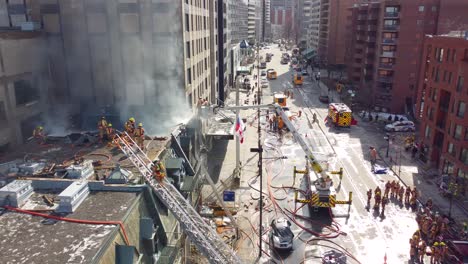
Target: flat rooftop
x=31 y=239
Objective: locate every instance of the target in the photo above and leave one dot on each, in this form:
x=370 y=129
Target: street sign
x=229 y=196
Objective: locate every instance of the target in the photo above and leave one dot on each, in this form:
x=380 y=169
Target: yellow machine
x=298 y=79
x=280 y=99
x=271 y=75
x=340 y=115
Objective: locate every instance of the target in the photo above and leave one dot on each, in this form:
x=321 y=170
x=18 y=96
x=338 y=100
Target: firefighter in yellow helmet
x=140 y=136
x=38 y=134
x=102 y=127
x=158 y=171
x=110 y=132
x=435 y=252
x=130 y=126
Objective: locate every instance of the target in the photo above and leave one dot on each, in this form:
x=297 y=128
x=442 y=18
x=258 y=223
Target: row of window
x=454 y=130
x=450 y=55
x=197 y=46
x=197 y=22
x=197 y=70
x=447 y=77
x=198 y=3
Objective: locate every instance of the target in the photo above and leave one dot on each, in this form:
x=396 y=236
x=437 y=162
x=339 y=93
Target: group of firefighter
x=395 y=191
x=107 y=132
x=428 y=239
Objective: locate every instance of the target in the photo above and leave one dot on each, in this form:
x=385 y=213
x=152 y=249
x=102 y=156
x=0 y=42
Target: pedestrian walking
x=373 y=157
x=369 y=197
x=314 y=118
x=270 y=122
x=384 y=203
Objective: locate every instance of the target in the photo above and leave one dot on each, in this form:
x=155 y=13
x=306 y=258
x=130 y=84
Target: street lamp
x=387 y=137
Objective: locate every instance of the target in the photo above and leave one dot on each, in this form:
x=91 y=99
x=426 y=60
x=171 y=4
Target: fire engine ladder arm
x=199 y=232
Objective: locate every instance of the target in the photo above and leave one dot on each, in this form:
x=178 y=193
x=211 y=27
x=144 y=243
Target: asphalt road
x=366 y=235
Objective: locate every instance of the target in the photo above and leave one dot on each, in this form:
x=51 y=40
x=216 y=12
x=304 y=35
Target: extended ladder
x=199 y=232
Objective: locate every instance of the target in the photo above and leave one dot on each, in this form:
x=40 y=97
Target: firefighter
x=396 y=188
x=377 y=198
x=414 y=241
x=130 y=126
x=421 y=250
x=158 y=172
x=433 y=231
x=102 y=126
x=407 y=194
x=388 y=187
x=140 y=136
x=369 y=197
x=110 y=133
x=38 y=135
x=434 y=253
x=414 y=193
x=401 y=193
x=429 y=204
x=384 y=203
x=443 y=252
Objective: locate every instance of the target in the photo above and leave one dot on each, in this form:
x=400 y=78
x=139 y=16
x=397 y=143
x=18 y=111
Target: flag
x=240 y=127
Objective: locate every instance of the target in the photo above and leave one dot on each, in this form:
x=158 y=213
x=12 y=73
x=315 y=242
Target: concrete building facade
x=251 y=22
x=24 y=85
x=238 y=17
x=442 y=101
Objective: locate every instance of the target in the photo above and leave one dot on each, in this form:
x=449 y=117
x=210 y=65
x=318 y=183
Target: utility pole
x=238 y=167
x=260 y=151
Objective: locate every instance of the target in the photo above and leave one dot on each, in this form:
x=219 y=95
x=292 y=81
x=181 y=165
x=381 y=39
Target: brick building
x=384 y=43
x=442 y=100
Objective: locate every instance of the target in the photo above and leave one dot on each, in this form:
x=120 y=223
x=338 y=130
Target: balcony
x=392 y=41
x=385 y=79
x=391 y=27
x=387 y=66
x=391 y=15
x=388 y=54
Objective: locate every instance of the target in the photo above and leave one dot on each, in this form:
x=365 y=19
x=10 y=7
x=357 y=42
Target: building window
x=448 y=167
x=451 y=149
x=437 y=76
x=434 y=8
x=466 y=134
x=189 y=75
x=450 y=78
x=3 y=116
x=187 y=22
x=421 y=8
x=461 y=109
x=434 y=95
x=464 y=156
x=445 y=76
x=25 y=92
x=188 y=48
x=458 y=132
x=419 y=22
x=427 y=132
x=448 y=55
x=460 y=82
x=454 y=55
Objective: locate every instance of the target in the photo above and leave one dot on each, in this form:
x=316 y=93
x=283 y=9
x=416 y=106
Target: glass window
x=434 y=8
x=460 y=82
x=458 y=132
x=461 y=109
x=464 y=156
x=421 y=8
x=466 y=133
x=451 y=149
x=427 y=132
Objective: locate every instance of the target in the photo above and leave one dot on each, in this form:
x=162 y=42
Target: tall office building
x=303 y=22
x=442 y=104
x=238 y=20
x=385 y=42
x=251 y=22
x=267 y=20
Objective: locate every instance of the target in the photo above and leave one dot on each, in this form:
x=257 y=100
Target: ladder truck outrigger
x=320 y=191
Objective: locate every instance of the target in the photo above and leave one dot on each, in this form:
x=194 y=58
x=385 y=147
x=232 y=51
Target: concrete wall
x=22 y=59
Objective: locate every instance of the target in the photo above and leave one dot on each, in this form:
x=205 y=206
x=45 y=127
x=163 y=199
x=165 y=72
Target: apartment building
x=303 y=21
x=385 y=39
x=442 y=102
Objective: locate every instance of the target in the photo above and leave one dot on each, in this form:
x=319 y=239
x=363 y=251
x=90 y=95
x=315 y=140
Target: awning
x=244 y=44
x=309 y=53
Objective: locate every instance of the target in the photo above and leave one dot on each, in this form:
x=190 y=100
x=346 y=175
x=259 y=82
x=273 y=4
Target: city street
x=367 y=236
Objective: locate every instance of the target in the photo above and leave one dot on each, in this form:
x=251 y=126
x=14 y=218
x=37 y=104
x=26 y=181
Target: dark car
x=324 y=99
x=281 y=236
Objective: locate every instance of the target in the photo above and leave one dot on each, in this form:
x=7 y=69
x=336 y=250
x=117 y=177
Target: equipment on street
x=334 y=257
x=340 y=115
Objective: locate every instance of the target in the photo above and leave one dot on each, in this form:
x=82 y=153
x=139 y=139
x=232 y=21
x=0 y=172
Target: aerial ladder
x=320 y=192
x=199 y=232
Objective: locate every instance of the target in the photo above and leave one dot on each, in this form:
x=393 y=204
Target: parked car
x=281 y=236
x=305 y=72
x=264 y=83
x=284 y=61
x=324 y=99
x=399 y=126
x=263 y=73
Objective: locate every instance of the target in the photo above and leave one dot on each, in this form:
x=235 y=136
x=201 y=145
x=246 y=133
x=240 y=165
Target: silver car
x=281 y=236
x=405 y=126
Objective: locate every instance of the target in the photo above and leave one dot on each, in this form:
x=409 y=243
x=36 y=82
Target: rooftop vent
x=31 y=168
x=72 y=196
x=118 y=176
x=16 y=193
x=81 y=171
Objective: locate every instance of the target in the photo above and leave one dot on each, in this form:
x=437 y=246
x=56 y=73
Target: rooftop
x=32 y=239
